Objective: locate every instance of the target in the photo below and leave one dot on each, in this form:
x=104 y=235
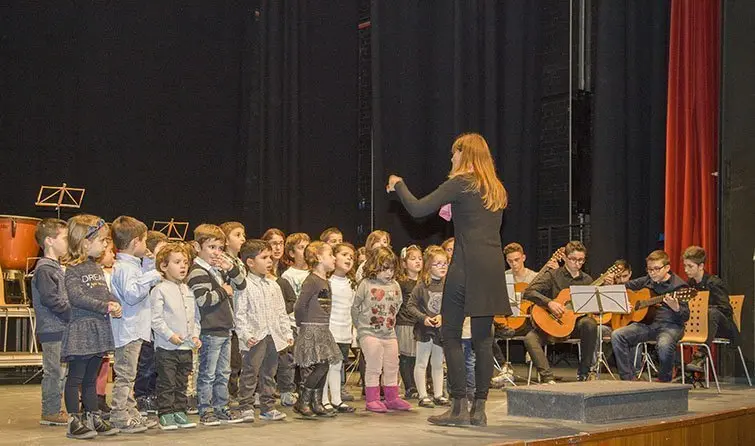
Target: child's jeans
x=214 y=372
x=53 y=374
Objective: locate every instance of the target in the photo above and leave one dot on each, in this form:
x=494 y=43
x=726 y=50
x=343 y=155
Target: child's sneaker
x=192 y=405
x=57 y=419
x=168 y=422
x=441 y=401
x=78 y=429
x=228 y=416
x=182 y=421
x=426 y=402
x=287 y=399
x=131 y=426
x=209 y=419
x=248 y=416
x=150 y=422
x=273 y=415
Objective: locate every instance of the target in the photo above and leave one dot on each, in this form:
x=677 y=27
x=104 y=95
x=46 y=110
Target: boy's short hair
x=154 y=238
x=623 y=264
x=574 y=245
x=252 y=248
x=206 y=232
x=328 y=232
x=125 y=229
x=291 y=241
x=694 y=254
x=171 y=247
x=512 y=247
x=229 y=226
x=313 y=250
x=658 y=256
x=49 y=227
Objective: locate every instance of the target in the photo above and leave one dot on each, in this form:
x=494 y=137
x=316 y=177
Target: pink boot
x=392 y=400
x=372 y=394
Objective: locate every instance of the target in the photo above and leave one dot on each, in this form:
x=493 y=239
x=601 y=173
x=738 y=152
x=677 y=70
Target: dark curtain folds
x=692 y=135
x=629 y=131
x=445 y=68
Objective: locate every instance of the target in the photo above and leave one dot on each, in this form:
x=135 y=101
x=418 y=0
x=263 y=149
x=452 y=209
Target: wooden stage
x=714 y=419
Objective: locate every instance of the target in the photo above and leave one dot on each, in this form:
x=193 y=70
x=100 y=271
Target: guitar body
x=552 y=325
x=517 y=322
x=637 y=315
x=604 y=320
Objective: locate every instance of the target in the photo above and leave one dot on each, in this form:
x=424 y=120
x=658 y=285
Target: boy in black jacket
x=53 y=311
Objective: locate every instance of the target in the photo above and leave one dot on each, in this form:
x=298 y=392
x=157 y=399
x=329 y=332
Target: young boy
x=263 y=328
x=176 y=330
x=720 y=314
x=235 y=236
x=332 y=236
x=146 y=374
x=667 y=327
x=213 y=296
x=48 y=293
x=131 y=284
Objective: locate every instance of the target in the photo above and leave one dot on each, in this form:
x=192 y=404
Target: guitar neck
x=654 y=300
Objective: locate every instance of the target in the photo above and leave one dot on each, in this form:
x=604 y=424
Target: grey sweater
x=50 y=300
x=375 y=308
x=425 y=301
x=89 y=332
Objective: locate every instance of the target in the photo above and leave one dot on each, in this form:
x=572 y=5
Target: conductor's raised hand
x=392 y=180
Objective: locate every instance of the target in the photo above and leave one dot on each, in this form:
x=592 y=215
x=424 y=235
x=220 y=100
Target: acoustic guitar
x=643 y=304
x=517 y=322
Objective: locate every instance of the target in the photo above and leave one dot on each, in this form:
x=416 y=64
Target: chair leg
x=681 y=355
x=744 y=365
x=529 y=373
x=712 y=368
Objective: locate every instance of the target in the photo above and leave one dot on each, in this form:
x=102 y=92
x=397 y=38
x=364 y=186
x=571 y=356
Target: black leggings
x=318 y=373
x=82 y=373
x=452 y=311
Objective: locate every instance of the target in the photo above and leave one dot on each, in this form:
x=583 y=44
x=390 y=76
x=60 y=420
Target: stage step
x=598 y=401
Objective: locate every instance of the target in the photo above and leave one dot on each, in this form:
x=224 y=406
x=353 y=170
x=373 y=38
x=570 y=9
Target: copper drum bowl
x=17 y=241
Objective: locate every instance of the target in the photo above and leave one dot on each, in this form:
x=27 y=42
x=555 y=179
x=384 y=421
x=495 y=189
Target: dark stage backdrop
x=203 y=111
x=447 y=67
x=631 y=69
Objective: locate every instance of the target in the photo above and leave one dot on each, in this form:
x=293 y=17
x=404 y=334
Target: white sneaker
x=273 y=415
x=248 y=416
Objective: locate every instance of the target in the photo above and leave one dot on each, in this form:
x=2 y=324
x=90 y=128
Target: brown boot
x=457 y=415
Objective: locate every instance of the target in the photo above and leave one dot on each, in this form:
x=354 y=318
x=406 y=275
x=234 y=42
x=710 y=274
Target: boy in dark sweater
x=53 y=311
x=207 y=280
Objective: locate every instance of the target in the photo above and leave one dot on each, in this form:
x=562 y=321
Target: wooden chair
x=736 y=305
x=695 y=334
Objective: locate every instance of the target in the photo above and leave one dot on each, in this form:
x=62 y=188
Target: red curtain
x=692 y=130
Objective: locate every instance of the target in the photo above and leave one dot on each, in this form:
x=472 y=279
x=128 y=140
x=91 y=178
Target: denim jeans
x=214 y=371
x=53 y=374
x=125 y=366
x=625 y=339
x=469 y=361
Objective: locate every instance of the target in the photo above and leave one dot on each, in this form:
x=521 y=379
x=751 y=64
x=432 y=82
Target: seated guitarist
x=720 y=314
x=542 y=291
x=667 y=328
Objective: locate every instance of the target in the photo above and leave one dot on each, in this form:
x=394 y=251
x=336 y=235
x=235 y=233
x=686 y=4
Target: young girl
x=424 y=306
x=410 y=266
x=176 y=334
x=88 y=336
x=277 y=239
x=342 y=285
x=293 y=255
x=314 y=348
x=375 y=240
x=106 y=261
x=374 y=312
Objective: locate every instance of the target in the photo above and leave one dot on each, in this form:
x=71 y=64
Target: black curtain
x=629 y=131
x=202 y=111
x=447 y=67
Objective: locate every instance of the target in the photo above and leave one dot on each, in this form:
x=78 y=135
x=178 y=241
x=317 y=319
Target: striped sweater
x=213 y=303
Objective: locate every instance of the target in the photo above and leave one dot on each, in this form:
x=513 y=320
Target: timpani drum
x=17 y=241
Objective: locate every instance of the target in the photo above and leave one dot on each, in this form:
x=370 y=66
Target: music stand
x=175 y=230
x=587 y=299
x=60 y=197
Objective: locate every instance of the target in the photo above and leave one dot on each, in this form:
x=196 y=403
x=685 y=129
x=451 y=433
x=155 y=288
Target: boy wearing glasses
x=667 y=327
x=542 y=291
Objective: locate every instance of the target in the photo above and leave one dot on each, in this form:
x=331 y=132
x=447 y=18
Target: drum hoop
x=19 y=217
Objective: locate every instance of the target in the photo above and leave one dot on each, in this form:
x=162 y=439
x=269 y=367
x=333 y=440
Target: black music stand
x=589 y=299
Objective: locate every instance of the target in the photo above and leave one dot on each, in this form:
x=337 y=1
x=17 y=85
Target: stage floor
x=19 y=416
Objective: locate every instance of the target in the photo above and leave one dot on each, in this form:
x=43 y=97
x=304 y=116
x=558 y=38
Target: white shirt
x=261 y=311
x=340 y=309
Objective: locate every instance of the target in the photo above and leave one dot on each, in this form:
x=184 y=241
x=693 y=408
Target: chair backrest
x=737 y=301
x=696 y=327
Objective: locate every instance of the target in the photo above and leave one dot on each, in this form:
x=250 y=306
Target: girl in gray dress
x=475 y=285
